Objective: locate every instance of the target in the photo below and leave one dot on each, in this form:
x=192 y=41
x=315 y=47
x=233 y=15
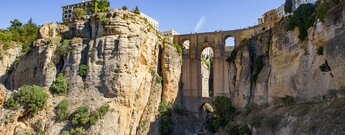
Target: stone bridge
x=191 y=71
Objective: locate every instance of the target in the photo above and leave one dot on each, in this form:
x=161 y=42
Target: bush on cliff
x=166 y=125
x=82 y=70
x=62 y=111
x=303 y=18
x=11 y=103
x=322 y=10
x=34 y=98
x=21 y=34
x=60 y=85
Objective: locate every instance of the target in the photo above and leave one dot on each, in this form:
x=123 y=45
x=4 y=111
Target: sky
x=185 y=16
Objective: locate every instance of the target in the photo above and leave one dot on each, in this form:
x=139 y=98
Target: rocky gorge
x=113 y=74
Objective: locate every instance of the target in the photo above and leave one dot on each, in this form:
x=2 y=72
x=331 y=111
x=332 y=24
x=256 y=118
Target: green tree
x=224 y=109
x=16 y=24
x=104 y=5
x=94 y=6
x=136 y=10
x=288 y=6
x=78 y=12
x=81 y=116
x=34 y=98
x=60 y=85
x=303 y=18
x=124 y=8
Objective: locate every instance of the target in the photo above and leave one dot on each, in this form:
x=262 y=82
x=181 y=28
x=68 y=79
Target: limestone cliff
x=290 y=66
x=129 y=66
x=276 y=66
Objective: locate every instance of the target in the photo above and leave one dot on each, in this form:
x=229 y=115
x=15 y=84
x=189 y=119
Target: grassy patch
x=322 y=11
x=179 y=49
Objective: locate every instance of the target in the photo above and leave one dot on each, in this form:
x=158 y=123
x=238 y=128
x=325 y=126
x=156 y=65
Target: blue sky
x=185 y=16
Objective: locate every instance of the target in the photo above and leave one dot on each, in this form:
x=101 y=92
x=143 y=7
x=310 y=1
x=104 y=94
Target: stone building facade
x=67 y=11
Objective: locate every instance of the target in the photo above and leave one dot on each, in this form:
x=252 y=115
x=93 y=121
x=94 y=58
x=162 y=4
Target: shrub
x=320 y=50
x=33 y=97
x=224 y=109
x=61 y=110
x=257 y=67
x=10 y=103
x=78 y=131
x=124 y=8
x=322 y=10
x=179 y=49
x=285 y=101
x=81 y=116
x=78 y=12
x=159 y=78
x=136 y=10
x=65 y=47
x=94 y=117
x=214 y=124
x=164 y=106
x=166 y=125
x=288 y=6
x=325 y=67
x=103 y=110
x=83 y=70
x=60 y=85
x=303 y=18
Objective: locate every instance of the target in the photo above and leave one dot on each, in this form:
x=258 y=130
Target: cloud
x=200 y=23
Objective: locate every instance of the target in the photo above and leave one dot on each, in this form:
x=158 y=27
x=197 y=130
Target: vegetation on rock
x=288 y=6
x=233 y=54
x=78 y=13
x=60 y=85
x=325 y=67
x=322 y=10
x=20 y=34
x=303 y=18
x=320 y=50
x=99 y=6
x=166 y=124
x=179 y=49
x=136 y=10
x=83 y=70
x=61 y=110
x=11 y=103
x=34 y=98
x=124 y=8
x=224 y=113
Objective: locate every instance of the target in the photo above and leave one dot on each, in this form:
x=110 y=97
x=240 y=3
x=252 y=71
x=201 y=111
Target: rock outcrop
x=129 y=66
x=291 y=67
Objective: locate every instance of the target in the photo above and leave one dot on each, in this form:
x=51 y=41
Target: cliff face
x=290 y=66
x=275 y=66
x=129 y=66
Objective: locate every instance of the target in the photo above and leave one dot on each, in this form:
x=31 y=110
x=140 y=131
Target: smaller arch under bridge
x=191 y=70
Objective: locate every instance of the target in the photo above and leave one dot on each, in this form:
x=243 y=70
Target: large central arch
x=191 y=69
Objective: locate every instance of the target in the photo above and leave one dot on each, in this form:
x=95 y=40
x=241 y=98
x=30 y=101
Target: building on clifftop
x=67 y=11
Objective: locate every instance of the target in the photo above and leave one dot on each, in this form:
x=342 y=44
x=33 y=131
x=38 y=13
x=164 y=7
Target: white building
x=67 y=11
x=281 y=11
x=297 y=3
x=153 y=22
x=169 y=32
